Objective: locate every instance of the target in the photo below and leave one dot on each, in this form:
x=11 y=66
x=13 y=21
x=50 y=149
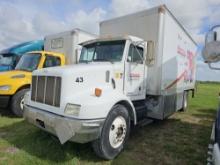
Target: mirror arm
x=214 y=68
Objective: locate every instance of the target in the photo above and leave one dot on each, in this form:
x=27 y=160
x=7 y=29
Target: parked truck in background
x=60 y=49
x=211 y=55
x=140 y=68
x=10 y=57
x=68 y=43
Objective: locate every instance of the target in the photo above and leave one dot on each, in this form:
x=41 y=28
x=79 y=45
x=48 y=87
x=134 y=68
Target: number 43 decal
x=79 y=79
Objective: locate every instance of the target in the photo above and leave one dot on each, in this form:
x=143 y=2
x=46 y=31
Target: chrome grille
x=46 y=89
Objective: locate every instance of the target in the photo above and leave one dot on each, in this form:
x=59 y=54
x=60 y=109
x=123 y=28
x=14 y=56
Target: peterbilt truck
x=140 y=68
x=60 y=49
x=211 y=56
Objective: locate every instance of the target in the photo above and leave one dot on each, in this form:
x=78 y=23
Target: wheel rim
x=185 y=101
x=117 y=132
x=22 y=103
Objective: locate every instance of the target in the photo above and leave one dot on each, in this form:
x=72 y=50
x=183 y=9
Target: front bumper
x=4 y=101
x=66 y=129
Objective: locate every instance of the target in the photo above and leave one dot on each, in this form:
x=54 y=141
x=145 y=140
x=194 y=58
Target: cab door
x=134 y=82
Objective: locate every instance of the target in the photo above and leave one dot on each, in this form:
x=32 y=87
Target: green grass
x=181 y=139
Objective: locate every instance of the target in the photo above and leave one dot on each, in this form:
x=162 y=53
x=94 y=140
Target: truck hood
x=15 y=74
x=83 y=77
x=78 y=69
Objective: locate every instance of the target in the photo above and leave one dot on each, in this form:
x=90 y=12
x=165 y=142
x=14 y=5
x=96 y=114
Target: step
x=145 y=122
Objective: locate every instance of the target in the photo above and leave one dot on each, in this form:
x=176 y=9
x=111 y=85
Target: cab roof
x=111 y=38
x=47 y=52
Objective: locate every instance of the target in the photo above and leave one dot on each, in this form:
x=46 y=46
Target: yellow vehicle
x=14 y=84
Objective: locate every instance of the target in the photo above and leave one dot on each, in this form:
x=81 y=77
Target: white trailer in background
x=141 y=68
x=67 y=43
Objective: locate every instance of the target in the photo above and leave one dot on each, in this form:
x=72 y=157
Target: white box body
x=67 y=43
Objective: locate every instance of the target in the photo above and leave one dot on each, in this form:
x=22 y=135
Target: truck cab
x=10 y=57
x=14 y=84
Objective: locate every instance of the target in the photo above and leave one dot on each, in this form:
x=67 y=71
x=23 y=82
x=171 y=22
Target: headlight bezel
x=5 y=87
x=72 y=109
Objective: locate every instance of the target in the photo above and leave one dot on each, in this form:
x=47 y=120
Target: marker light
x=98 y=92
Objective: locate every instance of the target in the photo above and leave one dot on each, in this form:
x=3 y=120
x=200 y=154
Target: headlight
x=72 y=109
x=5 y=87
x=26 y=97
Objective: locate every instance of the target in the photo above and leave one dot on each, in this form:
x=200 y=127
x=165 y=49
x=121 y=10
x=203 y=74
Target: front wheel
x=115 y=133
x=17 y=102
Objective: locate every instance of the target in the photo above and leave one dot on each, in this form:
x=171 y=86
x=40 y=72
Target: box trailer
x=140 y=68
x=68 y=43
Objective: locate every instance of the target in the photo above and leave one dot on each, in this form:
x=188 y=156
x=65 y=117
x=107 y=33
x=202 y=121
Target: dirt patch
x=12 y=150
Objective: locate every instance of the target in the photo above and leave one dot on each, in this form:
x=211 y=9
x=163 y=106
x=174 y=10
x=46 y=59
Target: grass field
x=181 y=139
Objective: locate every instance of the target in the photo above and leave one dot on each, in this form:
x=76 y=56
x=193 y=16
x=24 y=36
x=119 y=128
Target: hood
x=81 y=77
x=8 y=75
x=91 y=68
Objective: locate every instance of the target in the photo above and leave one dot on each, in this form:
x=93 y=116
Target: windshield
x=103 y=51
x=6 y=59
x=28 y=62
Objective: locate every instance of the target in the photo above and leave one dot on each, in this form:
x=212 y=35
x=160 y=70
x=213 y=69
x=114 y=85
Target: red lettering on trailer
x=181 y=51
x=177 y=80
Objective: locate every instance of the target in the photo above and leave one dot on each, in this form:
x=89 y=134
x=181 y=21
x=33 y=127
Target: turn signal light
x=98 y=92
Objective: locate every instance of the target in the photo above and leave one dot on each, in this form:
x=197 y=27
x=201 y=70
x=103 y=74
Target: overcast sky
x=23 y=20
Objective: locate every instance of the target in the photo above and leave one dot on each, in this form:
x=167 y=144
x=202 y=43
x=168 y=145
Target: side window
x=51 y=61
x=135 y=54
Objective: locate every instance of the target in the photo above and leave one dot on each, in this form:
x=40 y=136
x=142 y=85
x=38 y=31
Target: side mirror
x=129 y=59
x=149 y=53
x=210 y=37
x=211 y=50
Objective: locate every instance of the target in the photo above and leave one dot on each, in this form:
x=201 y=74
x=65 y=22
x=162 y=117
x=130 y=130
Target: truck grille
x=46 y=89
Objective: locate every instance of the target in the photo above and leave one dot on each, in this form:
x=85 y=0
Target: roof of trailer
x=161 y=8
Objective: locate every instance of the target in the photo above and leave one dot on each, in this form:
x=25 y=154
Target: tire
x=217 y=128
x=117 y=123
x=185 y=101
x=16 y=102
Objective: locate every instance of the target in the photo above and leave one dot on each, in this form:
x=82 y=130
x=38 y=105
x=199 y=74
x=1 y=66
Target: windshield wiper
x=104 y=59
x=84 y=61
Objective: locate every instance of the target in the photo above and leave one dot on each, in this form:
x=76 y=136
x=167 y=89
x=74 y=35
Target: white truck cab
x=120 y=80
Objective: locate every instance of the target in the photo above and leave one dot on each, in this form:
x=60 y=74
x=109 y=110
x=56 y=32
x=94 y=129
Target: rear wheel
x=185 y=101
x=115 y=133
x=17 y=102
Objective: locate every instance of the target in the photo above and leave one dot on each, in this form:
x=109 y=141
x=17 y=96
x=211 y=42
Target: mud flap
x=63 y=130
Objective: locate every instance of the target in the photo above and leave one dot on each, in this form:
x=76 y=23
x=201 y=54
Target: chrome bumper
x=66 y=129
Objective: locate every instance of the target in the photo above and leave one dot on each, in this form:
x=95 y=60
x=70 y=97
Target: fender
x=93 y=107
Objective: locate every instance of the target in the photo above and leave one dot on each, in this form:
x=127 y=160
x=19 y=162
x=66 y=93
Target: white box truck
x=141 y=68
x=67 y=43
